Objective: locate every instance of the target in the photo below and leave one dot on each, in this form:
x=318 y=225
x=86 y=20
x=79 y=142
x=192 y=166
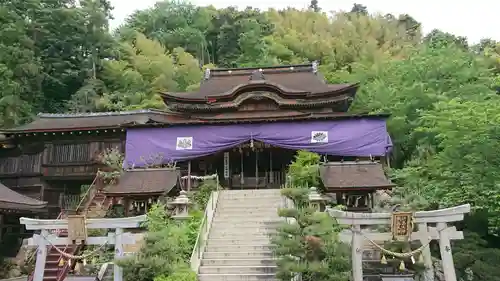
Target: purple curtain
x=353 y=137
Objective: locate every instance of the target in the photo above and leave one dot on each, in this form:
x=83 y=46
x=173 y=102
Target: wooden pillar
x=271 y=173
x=242 y=175
x=357 y=253
x=426 y=253
x=189 y=176
x=257 y=167
x=1 y=228
x=118 y=271
x=41 y=257
x=446 y=255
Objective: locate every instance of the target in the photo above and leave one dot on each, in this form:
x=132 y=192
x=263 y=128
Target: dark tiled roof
x=145 y=181
x=293 y=80
x=269 y=116
x=11 y=200
x=354 y=175
x=59 y=122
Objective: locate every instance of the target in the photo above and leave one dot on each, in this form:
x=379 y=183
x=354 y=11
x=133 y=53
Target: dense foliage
x=169 y=243
x=59 y=56
x=167 y=247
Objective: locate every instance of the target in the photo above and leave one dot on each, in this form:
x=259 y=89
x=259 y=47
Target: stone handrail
x=287 y=203
x=203 y=232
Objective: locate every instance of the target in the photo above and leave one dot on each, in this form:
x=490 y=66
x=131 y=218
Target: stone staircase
x=238 y=247
x=98 y=206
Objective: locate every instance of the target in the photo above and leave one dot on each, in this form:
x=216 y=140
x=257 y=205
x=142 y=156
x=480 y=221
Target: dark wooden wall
x=45 y=168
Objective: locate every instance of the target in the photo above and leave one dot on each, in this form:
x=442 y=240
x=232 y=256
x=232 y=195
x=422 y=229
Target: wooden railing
x=73 y=170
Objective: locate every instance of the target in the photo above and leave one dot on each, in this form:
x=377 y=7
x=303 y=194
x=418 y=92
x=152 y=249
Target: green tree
x=309 y=246
x=167 y=248
x=314 y=6
x=145 y=70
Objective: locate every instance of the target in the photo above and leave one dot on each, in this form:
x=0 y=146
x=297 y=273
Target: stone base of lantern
x=181 y=217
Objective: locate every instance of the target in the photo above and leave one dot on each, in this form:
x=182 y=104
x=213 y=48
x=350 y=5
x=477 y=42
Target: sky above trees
x=474 y=19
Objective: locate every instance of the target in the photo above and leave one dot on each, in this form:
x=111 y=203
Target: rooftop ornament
x=181 y=206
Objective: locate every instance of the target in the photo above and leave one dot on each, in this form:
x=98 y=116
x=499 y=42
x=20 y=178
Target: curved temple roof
x=294 y=81
x=11 y=200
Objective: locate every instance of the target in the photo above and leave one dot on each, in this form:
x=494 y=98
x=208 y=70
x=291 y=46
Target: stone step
x=245 y=197
x=237 y=277
x=249 y=239
x=218 y=233
x=241 y=209
x=238 y=248
x=240 y=235
x=253 y=217
x=238 y=262
x=249 y=205
x=238 y=255
x=235 y=205
x=244 y=223
x=249 y=196
x=250 y=191
x=237 y=269
x=252 y=198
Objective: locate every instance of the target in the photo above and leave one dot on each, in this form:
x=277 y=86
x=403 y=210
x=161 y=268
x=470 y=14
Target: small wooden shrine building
x=354 y=183
x=14 y=205
x=136 y=190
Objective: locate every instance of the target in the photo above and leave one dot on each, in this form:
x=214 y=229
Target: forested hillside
x=56 y=56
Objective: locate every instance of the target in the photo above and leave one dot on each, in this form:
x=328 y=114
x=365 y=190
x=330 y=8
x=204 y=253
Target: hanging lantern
x=150 y=201
x=142 y=204
x=402 y=266
x=78 y=268
x=421 y=258
x=383 y=260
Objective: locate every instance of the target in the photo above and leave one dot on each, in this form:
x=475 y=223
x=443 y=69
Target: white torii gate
x=441 y=232
x=118 y=238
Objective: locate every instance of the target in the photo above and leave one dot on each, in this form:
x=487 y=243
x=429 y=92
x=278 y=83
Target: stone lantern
x=181 y=206
x=316 y=201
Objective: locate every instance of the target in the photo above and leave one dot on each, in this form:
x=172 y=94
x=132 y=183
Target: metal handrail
x=87 y=193
x=103 y=270
x=204 y=229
